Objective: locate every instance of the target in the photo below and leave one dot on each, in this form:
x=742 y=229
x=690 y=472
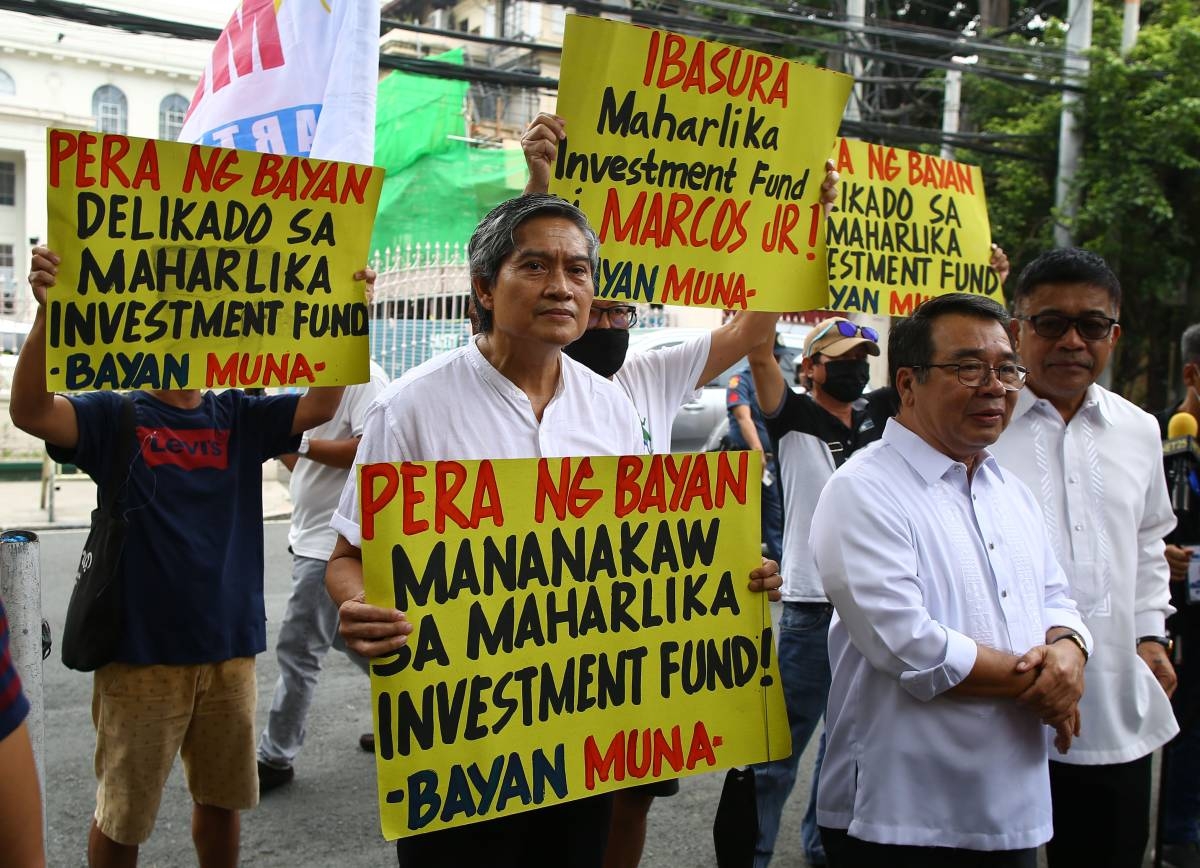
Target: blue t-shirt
x=741 y=393
x=192 y=567
x=13 y=704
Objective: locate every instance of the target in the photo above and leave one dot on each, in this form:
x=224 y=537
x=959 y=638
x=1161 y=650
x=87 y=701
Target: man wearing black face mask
x=813 y=434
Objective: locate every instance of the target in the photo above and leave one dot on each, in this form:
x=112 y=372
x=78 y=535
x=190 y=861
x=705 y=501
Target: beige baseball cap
x=837 y=336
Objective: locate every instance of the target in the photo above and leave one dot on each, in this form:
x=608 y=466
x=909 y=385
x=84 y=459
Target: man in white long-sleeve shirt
x=954 y=644
x=1094 y=460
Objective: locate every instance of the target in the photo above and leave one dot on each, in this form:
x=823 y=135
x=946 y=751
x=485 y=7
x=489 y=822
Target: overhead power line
x=989 y=144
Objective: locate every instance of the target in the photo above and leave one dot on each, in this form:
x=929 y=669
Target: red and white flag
x=292 y=77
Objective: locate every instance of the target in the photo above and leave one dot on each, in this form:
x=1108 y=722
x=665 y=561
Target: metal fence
x=421 y=299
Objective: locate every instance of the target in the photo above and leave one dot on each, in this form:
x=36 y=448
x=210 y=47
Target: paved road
x=327 y=816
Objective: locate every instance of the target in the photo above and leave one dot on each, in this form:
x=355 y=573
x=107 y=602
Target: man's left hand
x=1155 y=656
x=766 y=579
x=1059 y=682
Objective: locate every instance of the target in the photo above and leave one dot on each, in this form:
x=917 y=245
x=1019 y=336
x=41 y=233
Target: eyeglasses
x=976 y=374
x=1090 y=327
x=847 y=330
x=620 y=316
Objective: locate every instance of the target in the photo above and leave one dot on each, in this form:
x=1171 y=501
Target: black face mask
x=845 y=381
x=601 y=350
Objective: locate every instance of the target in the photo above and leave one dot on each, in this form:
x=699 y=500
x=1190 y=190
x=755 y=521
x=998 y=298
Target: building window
x=7 y=85
x=171 y=112
x=8 y=278
x=8 y=183
x=111 y=110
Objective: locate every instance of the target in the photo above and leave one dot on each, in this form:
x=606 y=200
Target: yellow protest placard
x=699 y=164
x=581 y=625
x=908 y=226
x=185 y=267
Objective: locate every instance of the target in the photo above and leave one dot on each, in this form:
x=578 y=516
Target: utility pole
x=951 y=106
x=856 y=15
x=1070 y=139
x=1129 y=30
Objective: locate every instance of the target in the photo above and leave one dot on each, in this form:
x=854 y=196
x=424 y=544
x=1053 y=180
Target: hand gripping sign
x=581 y=625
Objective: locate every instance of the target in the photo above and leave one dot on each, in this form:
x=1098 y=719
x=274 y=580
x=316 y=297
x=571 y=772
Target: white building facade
x=56 y=73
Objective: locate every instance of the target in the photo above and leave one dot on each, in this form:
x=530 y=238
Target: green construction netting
x=436 y=187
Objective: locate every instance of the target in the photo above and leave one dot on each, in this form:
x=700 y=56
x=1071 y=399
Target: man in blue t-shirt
x=191 y=576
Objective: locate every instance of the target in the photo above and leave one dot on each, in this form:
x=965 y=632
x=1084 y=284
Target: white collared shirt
x=1103 y=495
x=923 y=565
x=457 y=406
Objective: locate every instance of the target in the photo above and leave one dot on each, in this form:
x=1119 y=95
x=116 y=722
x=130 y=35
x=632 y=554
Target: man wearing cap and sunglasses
x=813 y=434
x=1095 y=462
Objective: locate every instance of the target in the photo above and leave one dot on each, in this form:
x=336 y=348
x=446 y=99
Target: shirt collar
x=929 y=463
x=1097 y=400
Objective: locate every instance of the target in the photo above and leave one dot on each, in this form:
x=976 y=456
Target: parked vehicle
x=696 y=420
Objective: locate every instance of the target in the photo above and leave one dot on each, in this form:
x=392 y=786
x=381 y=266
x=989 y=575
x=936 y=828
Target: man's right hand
x=540 y=144
x=1178 y=559
x=43 y=272
x=371 y=631
x=1066 y=730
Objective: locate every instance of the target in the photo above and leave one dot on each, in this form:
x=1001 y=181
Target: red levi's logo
x=190 y=448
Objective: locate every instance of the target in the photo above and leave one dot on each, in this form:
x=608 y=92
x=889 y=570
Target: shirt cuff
x=347 y=528
x=1070 y=621
x=956 y=665
x=1153 y=623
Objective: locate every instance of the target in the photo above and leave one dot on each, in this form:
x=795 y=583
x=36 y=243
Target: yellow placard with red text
x=581 y=625
x=908 y=226
x=187 y=267
x=699 y=164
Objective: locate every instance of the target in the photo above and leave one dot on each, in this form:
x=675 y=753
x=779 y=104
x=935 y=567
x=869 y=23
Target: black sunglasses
x=1090 y=327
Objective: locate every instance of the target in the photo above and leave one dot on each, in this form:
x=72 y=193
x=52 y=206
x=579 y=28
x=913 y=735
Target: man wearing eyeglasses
x=1095 y=462
x=954 y=644
x=813 y=434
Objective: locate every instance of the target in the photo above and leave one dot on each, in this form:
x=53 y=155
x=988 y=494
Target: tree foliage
x=1138 y=182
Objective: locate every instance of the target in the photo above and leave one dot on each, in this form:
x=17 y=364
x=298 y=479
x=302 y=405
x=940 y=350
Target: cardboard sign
x=582 y=625
x=186 y=267
x=908 y=226
x=699 y=164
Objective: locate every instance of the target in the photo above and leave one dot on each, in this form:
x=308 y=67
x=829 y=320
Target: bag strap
x=122 y=456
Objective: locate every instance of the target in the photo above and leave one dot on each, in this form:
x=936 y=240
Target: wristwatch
x=1166 y=641
x=303 y=450
x=1076 y=640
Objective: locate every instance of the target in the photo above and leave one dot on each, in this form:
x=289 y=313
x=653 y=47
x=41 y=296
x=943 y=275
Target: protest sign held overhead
x=699 y=164
x=292 y=78
x=189 y=267
x=908 y=226
x=581 y=625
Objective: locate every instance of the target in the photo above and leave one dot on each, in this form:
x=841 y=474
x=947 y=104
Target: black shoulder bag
x=93 y=630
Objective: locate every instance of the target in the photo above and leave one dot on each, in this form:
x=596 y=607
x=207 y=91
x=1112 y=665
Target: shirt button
x=991 y=545
x=1073 y=479
x=1004 y=593
x=1079 y=527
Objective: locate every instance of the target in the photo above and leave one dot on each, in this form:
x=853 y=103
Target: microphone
x=1181 y=458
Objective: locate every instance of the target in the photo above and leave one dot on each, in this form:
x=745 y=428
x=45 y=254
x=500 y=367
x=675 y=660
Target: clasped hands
x=1056 y=689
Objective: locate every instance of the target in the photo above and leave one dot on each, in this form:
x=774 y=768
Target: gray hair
x=1189 y=344
x=493 y=240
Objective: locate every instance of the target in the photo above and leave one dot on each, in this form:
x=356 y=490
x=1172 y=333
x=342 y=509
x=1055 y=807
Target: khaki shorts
x=145 y=715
